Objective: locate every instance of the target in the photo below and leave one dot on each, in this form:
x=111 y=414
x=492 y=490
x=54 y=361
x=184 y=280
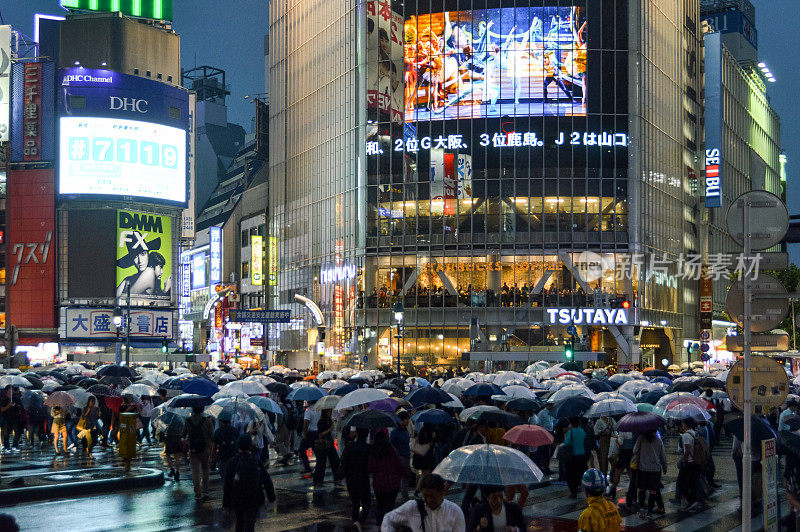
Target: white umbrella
x=537 y=366
x=575 y=390
x=140 y=389
x=14 y=380
x=479 y=408
x=516 y=392
x=155 y=376
x=476 y=376
x=661 y=404
x=277 y=369
x=507 y=377
x=301 y=384
x=328 y=375
x=263 y=379
x=360 y=397
x=633 y=387
x=685 y=411
x=81 y=397
x=180 y=370
x=248 y=387
x=620 y=378
x=611 y=407
x=334 y=384
x=328 y=402
x=602 y=396
x=455 y=403
x=230 y=392
x=477 y=464
x=550 y=373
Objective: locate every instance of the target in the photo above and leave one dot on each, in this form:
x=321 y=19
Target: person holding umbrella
x=355 y=470
x=691 y=464
x=244 y=483
x=199 y=432
x=309 y=430
x=494 y=514
x=651 y=463
x=87 y=425
x=400 y=439
x=59 y=428
x=600 y=514
x=387 y=471
x=574 y=442
x=324 y=449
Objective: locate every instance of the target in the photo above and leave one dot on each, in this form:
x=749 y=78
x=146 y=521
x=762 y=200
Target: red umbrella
x=114 y=402
x=530 y=435
x=686 y=400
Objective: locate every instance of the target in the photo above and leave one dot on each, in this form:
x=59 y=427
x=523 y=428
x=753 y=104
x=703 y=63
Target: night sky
x=229 y=35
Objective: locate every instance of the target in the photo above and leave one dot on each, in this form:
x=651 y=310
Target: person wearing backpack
x=695 y=454
x=223 y=446
x=199 y=432
x=245 y=481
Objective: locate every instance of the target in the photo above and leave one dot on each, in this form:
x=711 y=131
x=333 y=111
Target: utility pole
x=747 y=464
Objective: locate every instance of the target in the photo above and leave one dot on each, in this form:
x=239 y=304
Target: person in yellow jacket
x=600 y=515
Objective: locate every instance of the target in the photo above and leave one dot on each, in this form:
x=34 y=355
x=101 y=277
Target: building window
x=148 y=74
x=245 y=270
x=135 y=71
x=158 y=76
x=245 y=237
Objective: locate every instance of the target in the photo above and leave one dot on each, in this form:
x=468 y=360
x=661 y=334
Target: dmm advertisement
x=144 y=256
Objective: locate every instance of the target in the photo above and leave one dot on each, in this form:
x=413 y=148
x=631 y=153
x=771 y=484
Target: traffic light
x=689 y=350
x=569 y=350
x=164 y=345
x=626 y=304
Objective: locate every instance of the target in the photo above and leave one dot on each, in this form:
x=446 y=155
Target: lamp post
x=118 y=323
x=398 y=316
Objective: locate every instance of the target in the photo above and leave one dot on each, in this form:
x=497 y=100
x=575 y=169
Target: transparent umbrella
x=611 y=407
x=248 y=387
x=480 y=408
x=263 y=379
x=140 y=390
x=237 y=410
x=476 y=464
x=81 y=397
x=361 y=396
x=333 y=384
x=516 y=392
x=685 y=411
x=575 y=390
x=166 y=422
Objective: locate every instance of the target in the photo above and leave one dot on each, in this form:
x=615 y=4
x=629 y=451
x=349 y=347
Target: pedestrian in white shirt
x=436 y=514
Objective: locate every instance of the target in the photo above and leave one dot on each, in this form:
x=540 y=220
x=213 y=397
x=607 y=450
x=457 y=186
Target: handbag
x=563 y=452
x=418 y=448
x=81 y=424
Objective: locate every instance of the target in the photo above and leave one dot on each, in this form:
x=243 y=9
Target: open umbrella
x=571 y=407
x=85 y=382
x=59 y=399
x=328 y=402
x=199 y=386
x=166 y=422
x=433 y=416
x=82 y=397
x=467 y=412
x=428 y=395
x=484 y=389
x=390 y=404
x=644 y=407
x=333 y=384
x=759 y=429
x=33 y=399
x=568 y=392
x=656 y=373
x=15 y=380
x=710 y=382
x=344 y=390
x=140 y=390
x=685 y=411
x=112 y=370
x=278 y=388
x=370 y=419
x=598 y=386
x=102 y=390
x=36 y=382
x=266 y=404
x=515 y=392
x=523 y=404
x=501 y=418
x=684 y=386
x=248 y=387
x=530 y=435
x=790 y=441
x=792 y=421
x=690 y=400
x=114 y=380
x=189 y=400
x=306 y=393
x=640 y=422
x=237 y=410
x=360 y=397
x=610 y=407
x=495 y=464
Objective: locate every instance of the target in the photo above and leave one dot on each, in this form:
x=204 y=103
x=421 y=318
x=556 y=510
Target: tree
x=790 y=279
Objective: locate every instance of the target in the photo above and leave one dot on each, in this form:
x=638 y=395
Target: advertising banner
x=32 y=115
x=215 y=254
x=273 y=260
x=5 y=82
x=464 y=176
x=713 y=121
x=769 y=488
x=98 y=323
x=30 y=251
x=187 y=218
x=450 y=184
x=385 y=91
x=32 y=110
x=256 y=260
x=144 y=256
x=531 y=61
x=155 y=9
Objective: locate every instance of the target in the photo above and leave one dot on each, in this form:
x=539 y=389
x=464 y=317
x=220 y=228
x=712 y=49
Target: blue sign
x=260 y=316
x=712 y=182
x=215 y=254
x=705 y=347
x=366 y=359
x=572 y=330
x=732 y=21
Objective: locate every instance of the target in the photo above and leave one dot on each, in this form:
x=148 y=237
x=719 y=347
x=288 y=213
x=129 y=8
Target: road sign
x=768 y=382
x=260 y=316
x=706 y=306
x=770 y=303
x=705 y=357
x=763 y=343
x=365 y=359
x=572 y=330
x=705 y=347
x=769 y=219
x=705 y=335
x=772 y=260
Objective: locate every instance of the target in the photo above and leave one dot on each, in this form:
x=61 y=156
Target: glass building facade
x=482 y=166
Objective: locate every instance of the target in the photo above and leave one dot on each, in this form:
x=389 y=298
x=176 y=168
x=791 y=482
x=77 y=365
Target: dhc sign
x=588 y=316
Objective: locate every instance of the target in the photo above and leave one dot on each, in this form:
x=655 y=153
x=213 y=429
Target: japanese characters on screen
x=144 y=256
x=524 y=61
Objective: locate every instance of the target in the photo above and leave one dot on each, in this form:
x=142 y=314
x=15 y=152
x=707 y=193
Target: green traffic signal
x=568 y=352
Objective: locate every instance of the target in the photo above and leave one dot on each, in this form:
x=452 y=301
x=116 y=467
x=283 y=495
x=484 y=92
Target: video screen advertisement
x=144 y=256
x=515 y=61
x=121 y=137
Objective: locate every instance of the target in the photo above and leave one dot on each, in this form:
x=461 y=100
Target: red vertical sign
x=32 y=112
x=450 y=183
x=30 y=263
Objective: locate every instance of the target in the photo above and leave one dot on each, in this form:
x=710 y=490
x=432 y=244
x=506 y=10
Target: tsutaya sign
x=589 y=316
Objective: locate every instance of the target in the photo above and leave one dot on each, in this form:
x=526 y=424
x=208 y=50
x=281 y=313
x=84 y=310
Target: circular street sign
x=572 y=330
x=705 y=347
x=696 y=346
x=769 y=219
x=768 y=382
x=705 y=357
x=705 y=335
x=767 y=312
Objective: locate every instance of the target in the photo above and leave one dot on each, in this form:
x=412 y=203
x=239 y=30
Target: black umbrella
x=149 y=365
x=189 y=400
x=36 y=382
x=570 y=366
x=657 y=373
x=344 y=390
x=523 y=404
x=277 y=376
x=65 y=388
x=484 y=389
x=709 y=382
x=391 y=388
x=572 y=407
x=599 y=386
x=370 y=419
x=652 y=397
x=685 y=386
x=278 y=388
x=102 y=389
x=113 y=370
x=790 y=441
x=87 y=381
x=428 y=396
x=759 y=429
x=400 y=383
x=357 y=381
x=501 y=418
x=119 y=382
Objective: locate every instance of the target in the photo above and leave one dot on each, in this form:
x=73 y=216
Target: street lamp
x=398 y=316
x=118 y=320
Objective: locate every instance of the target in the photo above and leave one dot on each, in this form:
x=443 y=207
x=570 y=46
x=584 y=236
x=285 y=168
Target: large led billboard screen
x=515 y=61
x=117 y=157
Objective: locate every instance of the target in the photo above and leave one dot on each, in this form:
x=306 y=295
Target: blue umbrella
x=199 y=386
x=652 y=397
x=433 y=416
x=189 y=400
x=427 y=396
x=523 y=404
x=663 y=380
x=306 y=393
x=175 y=383
x=266 y=404
x=572 y=407
x=344 y=390
x=484 y=389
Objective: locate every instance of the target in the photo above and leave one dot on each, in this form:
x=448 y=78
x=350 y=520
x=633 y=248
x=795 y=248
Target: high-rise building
x=489 y=174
